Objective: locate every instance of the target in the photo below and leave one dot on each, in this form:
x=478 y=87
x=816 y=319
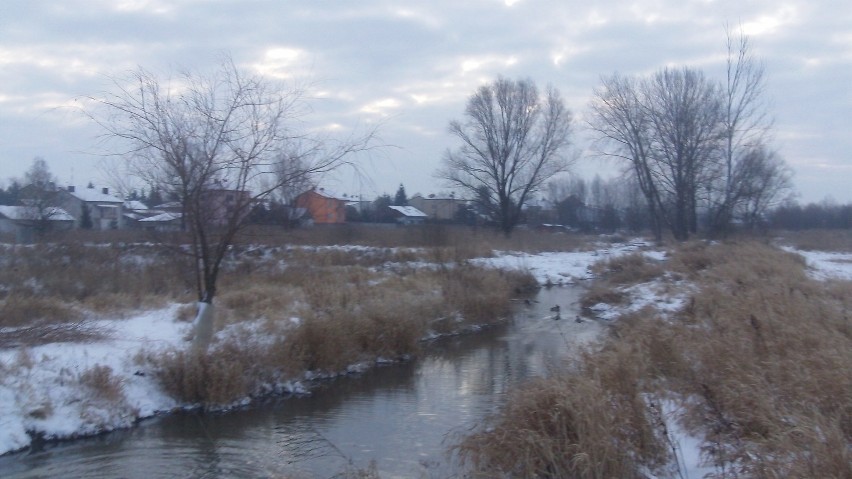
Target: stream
x=402 y=416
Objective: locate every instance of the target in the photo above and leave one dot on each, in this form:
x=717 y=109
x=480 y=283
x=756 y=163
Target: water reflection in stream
x=402 y=416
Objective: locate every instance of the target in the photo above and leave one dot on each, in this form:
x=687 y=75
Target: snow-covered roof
x=437 y=197
x=171 y=205
x=162 y=218
x=93 y=195
x=31 y=213
x=409 y=211
x=135 y=205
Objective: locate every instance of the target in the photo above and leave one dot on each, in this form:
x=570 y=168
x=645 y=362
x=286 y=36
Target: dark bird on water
x=555 y=309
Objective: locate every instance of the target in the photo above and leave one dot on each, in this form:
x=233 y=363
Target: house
x=163 y=222
x=24 y=221
x=221 y=206
x=438 y=208
x=540 y=211
x=173 y=206
x=408 y=215
x=324 y=206
x=133 y=211
x=104 y=210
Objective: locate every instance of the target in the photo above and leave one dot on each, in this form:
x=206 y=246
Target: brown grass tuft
x=479 y=295
x=628 y=269
x=568 y=426
x=218 y=377
x=601 y=293
x=103 y=383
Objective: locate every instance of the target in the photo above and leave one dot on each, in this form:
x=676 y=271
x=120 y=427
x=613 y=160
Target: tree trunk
x=203 y=326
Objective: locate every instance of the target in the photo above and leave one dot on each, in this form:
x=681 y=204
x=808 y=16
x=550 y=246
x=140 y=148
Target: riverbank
x=742 y=371
x=96 y=373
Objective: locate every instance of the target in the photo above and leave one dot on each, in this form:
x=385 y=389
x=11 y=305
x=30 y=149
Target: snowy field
x=47 y=390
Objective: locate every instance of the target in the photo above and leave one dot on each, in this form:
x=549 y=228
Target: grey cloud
x=408 y=62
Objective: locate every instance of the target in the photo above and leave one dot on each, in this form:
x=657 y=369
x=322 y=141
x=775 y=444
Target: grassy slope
x=758 y=359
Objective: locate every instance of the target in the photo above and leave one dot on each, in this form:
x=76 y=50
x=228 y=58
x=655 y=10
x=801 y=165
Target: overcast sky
x=412 y=65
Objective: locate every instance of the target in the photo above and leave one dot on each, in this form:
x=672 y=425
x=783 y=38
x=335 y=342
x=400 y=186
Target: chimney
x=70 y=188
x=105 y=191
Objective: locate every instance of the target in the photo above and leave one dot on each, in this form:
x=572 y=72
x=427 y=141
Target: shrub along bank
x=326 y=320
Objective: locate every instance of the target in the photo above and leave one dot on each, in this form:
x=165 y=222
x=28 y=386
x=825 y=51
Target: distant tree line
x=825 y=215
x=11 y=194
x=607 y=205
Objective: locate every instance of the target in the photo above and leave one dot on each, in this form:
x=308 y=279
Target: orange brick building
x=324 y=207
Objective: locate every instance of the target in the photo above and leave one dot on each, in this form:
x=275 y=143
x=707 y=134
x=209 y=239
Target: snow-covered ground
x=565 y=267
x=823 y=265
x=45 y=390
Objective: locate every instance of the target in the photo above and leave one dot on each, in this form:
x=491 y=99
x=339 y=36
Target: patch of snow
x=606 y=311
x=560 y=268
x=687 y=446
x=41 y=391
x=656 y=255
x=825 y=265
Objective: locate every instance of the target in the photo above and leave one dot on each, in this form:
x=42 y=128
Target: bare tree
x=668 y=128
x=763 y=181
x=685 y=110
x=293 y=175
x=217 y=143
x=623 y=125
x=746 y=125
x=513 y=140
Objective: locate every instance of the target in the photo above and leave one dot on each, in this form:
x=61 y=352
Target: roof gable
x=93 y=195
x=330 y=194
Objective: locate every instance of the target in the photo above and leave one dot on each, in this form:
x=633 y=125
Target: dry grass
x=613 y=275
x=80 y=332
x=759 y=359
x=479 y=295
x=33 y=320
x=601 y=293
x=470 y=241
x=103 y=383
x=104 y=278
x=347 y=315
x=19 y=310
x=217 y=377
x=255 y=300
x=630 y=268
x=354 y=304
x=569 y=426
x=772 y=357
x=112 y=273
